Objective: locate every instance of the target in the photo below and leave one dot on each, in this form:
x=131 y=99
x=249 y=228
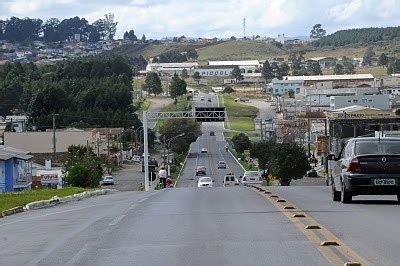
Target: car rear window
x=377 y=147
x=205 y=180
x=252 y=174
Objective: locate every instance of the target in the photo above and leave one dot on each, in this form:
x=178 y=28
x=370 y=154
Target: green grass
x=15 y=199
x=239 y=50
x=236 y=109
x=181 y=105
x=240 y=124
x=142 y=104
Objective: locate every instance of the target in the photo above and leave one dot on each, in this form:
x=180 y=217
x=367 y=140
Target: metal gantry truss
x=202 y=114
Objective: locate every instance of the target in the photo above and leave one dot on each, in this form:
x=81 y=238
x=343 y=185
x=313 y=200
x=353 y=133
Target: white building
x=247 y=66
x=214 y=71
x=321 y=98
x=378 y=101
x=281 y=39
x=172 y=68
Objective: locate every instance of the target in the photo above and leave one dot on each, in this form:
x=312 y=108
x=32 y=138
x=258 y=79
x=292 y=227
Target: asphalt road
x=216 y=151
x=204 y=226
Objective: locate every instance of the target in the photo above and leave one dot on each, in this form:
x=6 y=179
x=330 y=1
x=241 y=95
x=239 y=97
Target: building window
x=276 y=90
x=349 y=101
x=285 y=85
x=370 y=100
x=297 y=90
x=355 y=101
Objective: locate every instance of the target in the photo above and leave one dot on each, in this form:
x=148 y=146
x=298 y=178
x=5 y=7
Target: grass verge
x=15 y=199
x=142 y=104
x=241 y=124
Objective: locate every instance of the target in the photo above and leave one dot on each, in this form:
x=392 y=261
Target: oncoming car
x=107 y=180
x=205 y=182
x=200 y=170
x=366 y=166
x=204 y=150
x=221 y=165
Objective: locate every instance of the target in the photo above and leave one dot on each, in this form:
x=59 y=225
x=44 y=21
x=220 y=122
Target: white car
x=201 y=98
x=230 y=180
x=205 y=182
x=107 y=180
x=136 y=158
x=252 y=177
x=204 y=150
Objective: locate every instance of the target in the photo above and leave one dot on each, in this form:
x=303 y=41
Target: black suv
x=366 y=166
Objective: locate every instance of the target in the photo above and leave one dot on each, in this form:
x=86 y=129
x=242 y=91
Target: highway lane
x=216 y=150
x=370 y=225
x=183 y=226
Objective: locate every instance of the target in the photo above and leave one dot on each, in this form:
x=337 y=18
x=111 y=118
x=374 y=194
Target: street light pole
x=168 y=142
x=146 y=152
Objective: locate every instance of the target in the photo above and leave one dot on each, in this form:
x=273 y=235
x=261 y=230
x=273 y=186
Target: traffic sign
x=210 y=114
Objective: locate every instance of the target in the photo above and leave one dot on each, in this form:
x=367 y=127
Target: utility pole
x=309 y=138
x=54 y=133
x=164 y=153
x=146 y=152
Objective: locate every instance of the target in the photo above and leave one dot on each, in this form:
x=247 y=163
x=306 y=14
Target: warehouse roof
x=234 y=63
x=330 y=77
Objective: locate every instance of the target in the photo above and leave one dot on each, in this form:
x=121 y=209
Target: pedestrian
x=162 y=174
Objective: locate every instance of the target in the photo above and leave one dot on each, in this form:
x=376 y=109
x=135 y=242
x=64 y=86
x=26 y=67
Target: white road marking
x=117 y=220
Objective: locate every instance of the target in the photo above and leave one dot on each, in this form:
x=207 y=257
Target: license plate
x=252 y=179
x=385 y=182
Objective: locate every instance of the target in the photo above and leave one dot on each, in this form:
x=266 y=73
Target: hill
x=239 y=50
x=359 y=36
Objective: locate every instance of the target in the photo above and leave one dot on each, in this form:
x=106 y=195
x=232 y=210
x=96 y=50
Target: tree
x=276 y=71
x=266 y=71
x=100 y=25
x=50 y=30
x=192 y=55
x=368 y=56
x=152 y=84
x=184 y=74
x=383 y=60
x=144 y=38
x=291 y=93
x=174 y=127
x=228 y=89
x=314 y=68
x=177 y=87
x=394 y=67
x=338 y=69
x=241 y=142
x=82 y=167
x=288 y=160
x=237 y=74
x=262 y=152
x=233 y=38
x=130 y=35
x=110 y=26
x=197 y=77
x=317 y=32
x=296 y=60
x=172 y=57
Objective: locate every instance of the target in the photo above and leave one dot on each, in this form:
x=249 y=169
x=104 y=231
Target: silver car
x=251 y=177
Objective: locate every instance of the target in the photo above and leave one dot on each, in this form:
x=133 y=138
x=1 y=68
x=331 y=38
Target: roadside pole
x=146 y=152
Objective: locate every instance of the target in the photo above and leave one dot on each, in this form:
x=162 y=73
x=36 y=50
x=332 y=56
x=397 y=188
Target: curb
x=236 y=160
x=55 y=201
x=183 y=166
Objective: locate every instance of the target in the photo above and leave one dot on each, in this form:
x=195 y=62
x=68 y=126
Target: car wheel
x=398 y=197
x=345 y=195
x=336 y=195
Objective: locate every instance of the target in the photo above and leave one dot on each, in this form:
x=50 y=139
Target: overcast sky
x=215 y=18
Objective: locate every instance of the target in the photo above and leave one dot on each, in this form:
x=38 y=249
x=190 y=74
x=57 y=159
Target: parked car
x=204 y=150
x=230 y=180
x=366 y=166
x=205 y=182
x=136 y=158
x=251 y=177
x=242 y=99
x=221 y=165
x=107 y=180
x=201 y=170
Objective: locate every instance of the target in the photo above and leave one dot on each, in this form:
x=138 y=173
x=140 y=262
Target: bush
x=228 y=89
x=241 y=142
x=83 y=168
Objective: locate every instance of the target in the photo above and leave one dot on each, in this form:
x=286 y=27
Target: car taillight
x=260 y=178
x=354 y=166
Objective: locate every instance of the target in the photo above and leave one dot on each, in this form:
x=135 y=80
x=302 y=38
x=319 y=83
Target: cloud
x=210 y=18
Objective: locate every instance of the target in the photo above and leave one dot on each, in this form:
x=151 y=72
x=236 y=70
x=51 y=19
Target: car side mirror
x=213 y=181
x=240 y=177
x=331 y=157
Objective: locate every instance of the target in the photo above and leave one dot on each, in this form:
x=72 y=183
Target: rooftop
x=330 y=77
x=7 y=153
